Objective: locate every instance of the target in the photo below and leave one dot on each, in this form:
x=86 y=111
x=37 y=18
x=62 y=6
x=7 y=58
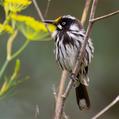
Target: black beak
x=49 y=22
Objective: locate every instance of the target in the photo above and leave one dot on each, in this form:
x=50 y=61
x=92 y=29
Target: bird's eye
x=63 y=23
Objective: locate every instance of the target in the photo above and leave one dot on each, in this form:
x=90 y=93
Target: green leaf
x=32 y=29
x=6 y=28
x=32 y=34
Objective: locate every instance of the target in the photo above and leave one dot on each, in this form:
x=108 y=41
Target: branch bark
x=55 y=96
x=60 y=99
x=85 y=11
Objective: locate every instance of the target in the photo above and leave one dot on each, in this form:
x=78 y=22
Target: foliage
x=32 y=30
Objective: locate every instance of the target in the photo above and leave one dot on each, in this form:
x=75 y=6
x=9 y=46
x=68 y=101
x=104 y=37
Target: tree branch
x=106 y=108
x=38 y=10
x=88 y=32
x=85 y=11
x=81 y=54
x=55 y=95
x=62 y=96
x=60 y=99
x=40 y=14
x=104 y=16
x=47 y=8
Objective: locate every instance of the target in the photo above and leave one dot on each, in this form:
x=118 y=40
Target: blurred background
x=38 y=62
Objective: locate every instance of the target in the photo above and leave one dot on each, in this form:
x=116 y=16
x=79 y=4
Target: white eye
x=63 y=23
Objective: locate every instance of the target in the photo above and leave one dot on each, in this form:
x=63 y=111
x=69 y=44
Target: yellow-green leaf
x=6 y=28
x=16 y=5
x=31 y=28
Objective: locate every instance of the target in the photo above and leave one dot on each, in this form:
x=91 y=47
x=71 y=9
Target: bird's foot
x=75 y=80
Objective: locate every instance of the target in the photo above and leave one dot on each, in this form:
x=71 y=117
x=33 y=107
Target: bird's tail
x=82 y=97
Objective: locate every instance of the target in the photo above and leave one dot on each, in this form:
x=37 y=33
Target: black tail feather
x=82 y=97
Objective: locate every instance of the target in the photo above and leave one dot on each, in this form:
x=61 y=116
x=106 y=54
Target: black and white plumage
x=69 y=36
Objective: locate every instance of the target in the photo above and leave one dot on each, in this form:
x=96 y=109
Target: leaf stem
x=12 y=57
x=20 y=50
x=4 y=67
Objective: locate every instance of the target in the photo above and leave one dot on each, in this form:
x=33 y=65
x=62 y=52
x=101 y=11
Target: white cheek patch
x=59 y=26
x=74 y=27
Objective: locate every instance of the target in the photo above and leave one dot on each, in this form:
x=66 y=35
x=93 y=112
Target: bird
x=69 y=37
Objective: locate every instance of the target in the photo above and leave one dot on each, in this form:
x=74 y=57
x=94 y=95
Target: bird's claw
x=75 y=80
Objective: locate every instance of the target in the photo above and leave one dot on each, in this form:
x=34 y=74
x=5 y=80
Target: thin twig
x=88 y=32
x=47 y=8
x=85 y=11
x=60 y=99
x=37 y=112
x=106 y=108
x=40 y=14
x=104 y=16
x=38 y=10
x=69 y=87
x=55 y=95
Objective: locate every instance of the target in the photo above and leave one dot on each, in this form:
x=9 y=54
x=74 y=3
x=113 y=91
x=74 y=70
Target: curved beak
x=53 y=22
x=50 y=22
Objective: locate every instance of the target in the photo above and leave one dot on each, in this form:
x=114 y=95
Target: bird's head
x=66 y=23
